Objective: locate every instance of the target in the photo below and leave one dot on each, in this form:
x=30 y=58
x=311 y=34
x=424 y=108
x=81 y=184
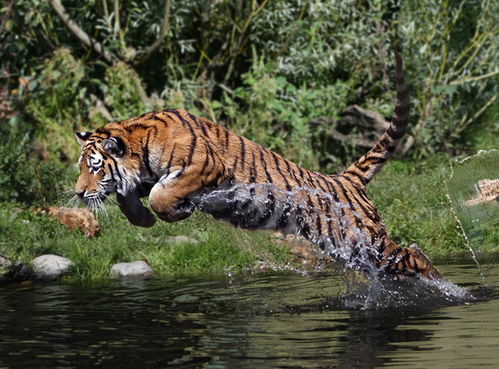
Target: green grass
x=221 y=248
x=413 y=203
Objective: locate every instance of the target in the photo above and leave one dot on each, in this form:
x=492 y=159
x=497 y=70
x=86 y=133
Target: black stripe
x=243 y=152
x=252 y=171
x=192 y=148
x=329 y=222
x=312 y=180
x=277 y=166
x=131 y=127
x=103 y=131
x=328 y=184
x=110 y=168
x=264 y=165
x=362 y=179
x=291 y=172
x=396 y=135
x=170 y=159
x=185 y=122
x=350 y=203
x=318 y=223
x=390 y=260
x=300 y=170
x=370 y=214
x=374 y=160
x=206 y=160
x=199 y=124
x=145 y=152
x=320 y=184
x=155 y=117
x=227 y=134
x=115 y=164
x=342 y=211
x=283 y=220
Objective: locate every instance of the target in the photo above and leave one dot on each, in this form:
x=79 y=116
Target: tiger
x=183 y=162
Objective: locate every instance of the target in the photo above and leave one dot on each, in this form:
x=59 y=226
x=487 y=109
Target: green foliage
x=453 y=67
x=23 y=179
x=54 y=98
x=270 y=110
x=122 y=91
x=313 y=59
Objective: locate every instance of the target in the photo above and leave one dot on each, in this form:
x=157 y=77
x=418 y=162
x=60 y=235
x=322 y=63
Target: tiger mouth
x=94 y=200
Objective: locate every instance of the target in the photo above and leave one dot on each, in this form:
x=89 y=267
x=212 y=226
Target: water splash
x=265 y=206
x=383 y=293
x=476 y=213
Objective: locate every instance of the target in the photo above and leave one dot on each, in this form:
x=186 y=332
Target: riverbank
x=411 y=199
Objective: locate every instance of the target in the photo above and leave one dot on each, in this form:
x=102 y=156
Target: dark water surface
x=278 y=320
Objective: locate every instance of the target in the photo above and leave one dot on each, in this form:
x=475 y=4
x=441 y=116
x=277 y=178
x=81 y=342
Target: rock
x=138 y=268
x=4 y=262
x=182 y=239
x=49 y=267
x=73 y=218
x=487 y=190
x=11 y=272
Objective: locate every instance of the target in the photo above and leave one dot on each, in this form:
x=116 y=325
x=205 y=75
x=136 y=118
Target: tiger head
x=106 y=166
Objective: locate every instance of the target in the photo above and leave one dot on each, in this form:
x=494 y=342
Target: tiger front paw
x=132 y=208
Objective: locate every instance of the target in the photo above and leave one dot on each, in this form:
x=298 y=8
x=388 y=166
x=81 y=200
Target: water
x=277 y=320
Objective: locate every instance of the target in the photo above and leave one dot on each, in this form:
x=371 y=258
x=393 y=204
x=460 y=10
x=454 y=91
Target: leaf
x=32 y=85
x=445 y=89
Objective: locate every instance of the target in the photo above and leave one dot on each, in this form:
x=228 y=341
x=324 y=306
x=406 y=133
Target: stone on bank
x=139 y=268
x=49 y=267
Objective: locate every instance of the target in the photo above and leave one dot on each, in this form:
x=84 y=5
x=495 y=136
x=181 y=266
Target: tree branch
x=81 y=34
x=117 y=26
x=144 y=55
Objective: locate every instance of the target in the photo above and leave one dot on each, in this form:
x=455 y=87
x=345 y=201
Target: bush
x=24 y=178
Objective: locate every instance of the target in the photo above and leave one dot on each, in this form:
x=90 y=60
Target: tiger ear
x=114 y=146
x=82 y=137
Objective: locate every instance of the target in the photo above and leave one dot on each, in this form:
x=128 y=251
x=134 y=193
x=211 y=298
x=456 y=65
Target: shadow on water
x=276 y=320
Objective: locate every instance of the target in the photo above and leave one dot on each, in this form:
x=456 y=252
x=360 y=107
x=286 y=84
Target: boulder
x=49 y=267
x=139 y=268
x=14 y=271
x=487 y=190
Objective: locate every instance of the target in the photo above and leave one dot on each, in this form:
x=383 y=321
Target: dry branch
x=145 y=54
x=80 y=33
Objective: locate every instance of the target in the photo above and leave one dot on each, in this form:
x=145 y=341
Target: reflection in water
x=264 y=321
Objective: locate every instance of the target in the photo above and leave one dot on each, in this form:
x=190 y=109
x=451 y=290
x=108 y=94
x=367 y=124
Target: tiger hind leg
x=406 y=262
